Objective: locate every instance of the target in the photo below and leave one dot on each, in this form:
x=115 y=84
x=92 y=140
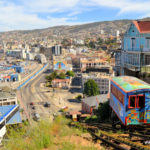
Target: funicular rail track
x=115 y=142
x=144 y=138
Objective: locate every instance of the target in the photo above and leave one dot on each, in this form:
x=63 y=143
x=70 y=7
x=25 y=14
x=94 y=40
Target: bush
x=103 y=111
x=70 y=73
x=92 y=119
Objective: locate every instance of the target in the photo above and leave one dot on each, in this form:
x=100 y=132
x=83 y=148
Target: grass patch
x=43 y=135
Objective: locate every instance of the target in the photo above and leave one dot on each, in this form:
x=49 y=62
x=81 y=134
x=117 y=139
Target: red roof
x=61 y=80
x=75 y=113
x=142 y=26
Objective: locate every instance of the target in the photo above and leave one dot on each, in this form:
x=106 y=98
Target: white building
x=35 y=50
x=101 y=79
x=41 y=58
x=23 y=54
x=30 y=56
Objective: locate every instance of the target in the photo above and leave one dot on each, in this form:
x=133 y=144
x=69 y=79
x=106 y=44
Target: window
x=136 y=101
x=148 y=42
x=132 y=101
x=133 y=43
x=141 y=101
x=147 y=60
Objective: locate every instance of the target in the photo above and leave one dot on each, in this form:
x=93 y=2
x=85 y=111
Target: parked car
x=33 y=107
x=47 y=104
x=36 y=116
x=31 y=103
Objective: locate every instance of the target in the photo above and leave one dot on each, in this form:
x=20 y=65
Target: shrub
x=103 y=111
x=70 y=73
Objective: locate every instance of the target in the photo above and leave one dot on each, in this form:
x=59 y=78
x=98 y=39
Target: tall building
x=57 y=50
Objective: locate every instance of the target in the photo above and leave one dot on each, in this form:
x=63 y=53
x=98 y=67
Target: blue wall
x=117 y=106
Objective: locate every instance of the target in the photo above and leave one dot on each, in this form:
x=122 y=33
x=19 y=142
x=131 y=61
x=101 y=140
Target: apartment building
x=102 y=79
x=93 y=63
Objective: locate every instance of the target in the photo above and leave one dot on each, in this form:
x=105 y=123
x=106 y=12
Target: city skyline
x=25 y=14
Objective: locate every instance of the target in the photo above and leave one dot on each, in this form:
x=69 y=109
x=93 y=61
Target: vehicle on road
x=31 y=103
x=47 y=104
x=33 y=107
x=36 y=116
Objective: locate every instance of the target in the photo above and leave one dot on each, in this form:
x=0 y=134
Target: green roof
x=128 y=83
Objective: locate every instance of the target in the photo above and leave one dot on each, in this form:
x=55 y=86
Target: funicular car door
x=147 y=108
x=140 y=105
x=132 y=111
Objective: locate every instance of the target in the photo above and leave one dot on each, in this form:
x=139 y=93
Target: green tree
x=48 y=78
x=53 y=75
x=91 y=88
x=61 y=76
x=70 y=73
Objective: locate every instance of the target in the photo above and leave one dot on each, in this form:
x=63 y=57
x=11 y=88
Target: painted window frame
x=138 y=100
x=129 y=101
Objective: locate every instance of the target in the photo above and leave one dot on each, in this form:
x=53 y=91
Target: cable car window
x=141 y=101
x=132 y=101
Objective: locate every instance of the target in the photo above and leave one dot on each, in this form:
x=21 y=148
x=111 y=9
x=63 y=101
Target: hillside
x=49 y=136
x=78 y=31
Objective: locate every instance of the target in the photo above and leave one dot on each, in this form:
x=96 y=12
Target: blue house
x=135 y=52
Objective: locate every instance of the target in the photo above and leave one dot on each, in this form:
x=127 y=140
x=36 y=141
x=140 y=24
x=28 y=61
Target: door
x=141 y=107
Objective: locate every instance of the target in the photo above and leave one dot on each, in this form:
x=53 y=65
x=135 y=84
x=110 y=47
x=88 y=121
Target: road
x=31 y=92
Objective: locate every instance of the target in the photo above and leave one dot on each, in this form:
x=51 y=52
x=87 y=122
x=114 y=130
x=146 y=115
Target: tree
x=53 y=75
x=48 y=78
x=70 y=73
x=103 y=111
x=61 y=76
x=91 y=88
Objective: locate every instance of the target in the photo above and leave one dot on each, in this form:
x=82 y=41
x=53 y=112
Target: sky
x=38 y=14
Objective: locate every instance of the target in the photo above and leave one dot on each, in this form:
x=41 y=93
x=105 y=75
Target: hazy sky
x=33 y=14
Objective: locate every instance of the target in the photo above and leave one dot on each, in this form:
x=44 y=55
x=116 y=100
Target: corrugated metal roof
x=5 y=110
x=95 y=100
